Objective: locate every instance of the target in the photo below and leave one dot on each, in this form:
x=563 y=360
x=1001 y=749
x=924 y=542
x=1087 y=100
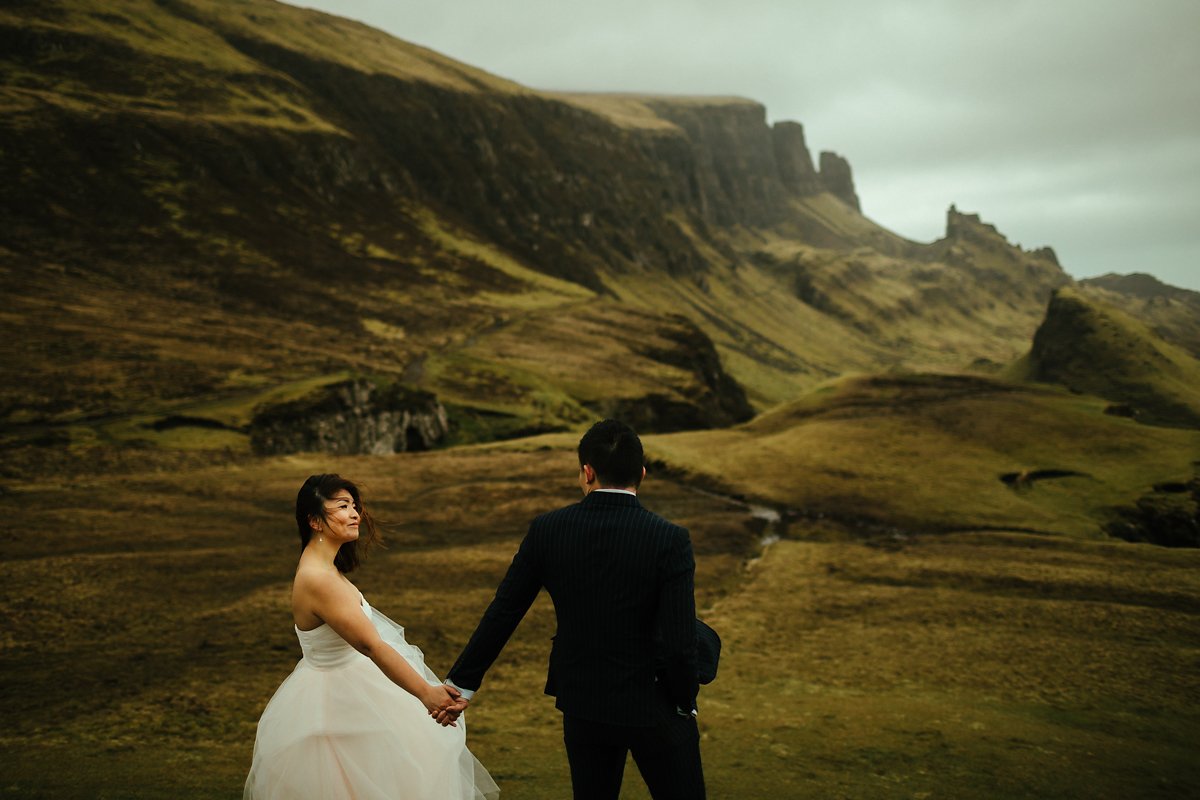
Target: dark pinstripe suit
x=621 y=579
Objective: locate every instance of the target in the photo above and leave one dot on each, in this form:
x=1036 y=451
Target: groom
x=623 y=662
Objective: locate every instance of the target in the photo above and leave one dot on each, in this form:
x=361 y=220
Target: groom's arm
x=514 y=596
x=676 y=622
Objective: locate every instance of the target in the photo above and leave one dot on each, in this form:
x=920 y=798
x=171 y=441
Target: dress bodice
x=325 y=649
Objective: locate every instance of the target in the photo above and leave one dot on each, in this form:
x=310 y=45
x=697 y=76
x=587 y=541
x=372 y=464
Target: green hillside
x=1091 y=347
x=1171 y=312
x=939 y=452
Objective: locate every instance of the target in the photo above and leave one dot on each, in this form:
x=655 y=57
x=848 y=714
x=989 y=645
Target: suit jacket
x=621 y=578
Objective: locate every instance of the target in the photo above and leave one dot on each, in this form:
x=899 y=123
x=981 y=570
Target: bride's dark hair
x=310 y=504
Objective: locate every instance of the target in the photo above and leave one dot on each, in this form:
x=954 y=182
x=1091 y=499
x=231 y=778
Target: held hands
x=445 y=705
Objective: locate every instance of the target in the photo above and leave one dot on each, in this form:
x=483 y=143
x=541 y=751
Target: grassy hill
x=1171 y=312
x=1089 y=346
x=938 y=452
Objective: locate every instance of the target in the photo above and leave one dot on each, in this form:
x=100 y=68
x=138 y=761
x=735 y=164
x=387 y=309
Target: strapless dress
x=337 y=728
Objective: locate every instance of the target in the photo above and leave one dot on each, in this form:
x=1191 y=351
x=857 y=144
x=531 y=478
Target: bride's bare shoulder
x=312 y=577
x=318 y=580
x=315 y=591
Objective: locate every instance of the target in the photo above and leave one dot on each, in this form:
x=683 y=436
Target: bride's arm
x=339 y=606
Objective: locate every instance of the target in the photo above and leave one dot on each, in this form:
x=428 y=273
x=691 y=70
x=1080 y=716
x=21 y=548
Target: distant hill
x=1091 y=347
x=1171 y=312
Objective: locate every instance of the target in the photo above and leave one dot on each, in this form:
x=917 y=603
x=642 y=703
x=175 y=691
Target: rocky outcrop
x=969 y=227
x=836 y=179
x=715 y=400
x=352 y=417
x=1169 y=516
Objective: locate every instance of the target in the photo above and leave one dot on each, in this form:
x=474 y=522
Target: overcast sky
x=1069 y=123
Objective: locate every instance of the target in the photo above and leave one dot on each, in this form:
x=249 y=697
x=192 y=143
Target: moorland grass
x=146 y=624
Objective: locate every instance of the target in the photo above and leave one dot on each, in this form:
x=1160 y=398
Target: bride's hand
x=447 y=715
x=444 y=704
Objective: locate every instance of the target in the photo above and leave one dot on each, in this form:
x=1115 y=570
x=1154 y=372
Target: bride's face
x=341 y=518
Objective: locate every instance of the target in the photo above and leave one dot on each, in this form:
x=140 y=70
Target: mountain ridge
x=254 y=195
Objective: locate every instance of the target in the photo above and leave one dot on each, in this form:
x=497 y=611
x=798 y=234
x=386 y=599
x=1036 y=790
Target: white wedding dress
x=338 y=729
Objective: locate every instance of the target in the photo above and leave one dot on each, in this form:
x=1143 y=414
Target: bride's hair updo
x=310 y=504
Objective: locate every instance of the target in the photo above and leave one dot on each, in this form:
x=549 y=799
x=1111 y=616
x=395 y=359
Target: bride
x=353 y=718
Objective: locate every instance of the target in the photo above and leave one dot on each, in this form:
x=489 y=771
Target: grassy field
x=145 y=618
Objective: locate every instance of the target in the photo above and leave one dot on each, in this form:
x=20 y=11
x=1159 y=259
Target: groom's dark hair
x=614 y=450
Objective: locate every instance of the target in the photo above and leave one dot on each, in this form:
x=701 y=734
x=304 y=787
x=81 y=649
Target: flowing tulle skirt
x=347 y=731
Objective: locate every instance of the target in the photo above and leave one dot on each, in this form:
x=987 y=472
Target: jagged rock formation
x=352 y=417
x=733 y=169
x=559 y=187
x=836 y=179
x=962 y=228
x=1095 y=349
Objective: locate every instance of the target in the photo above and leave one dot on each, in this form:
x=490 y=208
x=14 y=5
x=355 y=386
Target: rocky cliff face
x=564 y=190
x=793 y=160
x=740 y=170
x=352 y=417
x=731 y=159
x=1168 y=516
